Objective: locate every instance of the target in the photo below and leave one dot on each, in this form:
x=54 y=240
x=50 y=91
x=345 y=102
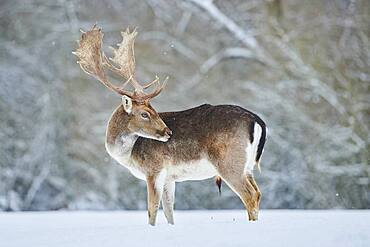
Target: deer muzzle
x=165 y=134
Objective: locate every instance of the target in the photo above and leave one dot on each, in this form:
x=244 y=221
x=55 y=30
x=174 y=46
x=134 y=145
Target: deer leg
x=255 y=186
x=241 y=185
x=248 y=195
x=155 y=185
x=168 y=200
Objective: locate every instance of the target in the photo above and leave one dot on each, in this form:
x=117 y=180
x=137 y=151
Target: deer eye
x=145 y=115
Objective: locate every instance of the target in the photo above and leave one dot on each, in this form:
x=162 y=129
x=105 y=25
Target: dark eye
x=145 y=115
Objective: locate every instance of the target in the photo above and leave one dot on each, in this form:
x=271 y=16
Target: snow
x=192 y=228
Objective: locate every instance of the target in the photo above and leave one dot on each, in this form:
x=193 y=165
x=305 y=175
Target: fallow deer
x=222 y=141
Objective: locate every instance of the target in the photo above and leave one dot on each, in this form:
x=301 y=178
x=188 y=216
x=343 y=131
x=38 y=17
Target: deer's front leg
x=168 y=200
x=155 y=185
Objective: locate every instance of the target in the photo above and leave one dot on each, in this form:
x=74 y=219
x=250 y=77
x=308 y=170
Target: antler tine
x=130 y=78
x=157 y=91
x=90 y=58
x=126 y=82
x=113 y=68
x=151 y=83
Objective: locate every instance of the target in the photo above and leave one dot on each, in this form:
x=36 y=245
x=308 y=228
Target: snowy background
x=303 y=66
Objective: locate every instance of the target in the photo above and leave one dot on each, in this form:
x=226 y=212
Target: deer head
x=141 y=117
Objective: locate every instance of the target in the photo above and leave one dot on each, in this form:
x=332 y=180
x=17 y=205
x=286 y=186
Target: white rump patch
x=251 y=149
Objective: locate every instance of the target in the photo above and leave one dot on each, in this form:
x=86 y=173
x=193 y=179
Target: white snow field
x=192 y=228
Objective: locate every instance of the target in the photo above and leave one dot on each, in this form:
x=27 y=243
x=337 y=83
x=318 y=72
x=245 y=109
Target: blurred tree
x=302 y=65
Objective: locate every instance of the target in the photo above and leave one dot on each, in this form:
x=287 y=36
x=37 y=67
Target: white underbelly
x=195 y=170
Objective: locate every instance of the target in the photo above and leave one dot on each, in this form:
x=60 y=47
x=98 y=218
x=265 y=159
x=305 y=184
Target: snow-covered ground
x=192 y=228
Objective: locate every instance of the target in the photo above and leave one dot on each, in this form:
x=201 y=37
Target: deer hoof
x=253 y=215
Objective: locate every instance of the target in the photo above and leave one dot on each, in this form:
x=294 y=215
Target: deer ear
x=127 y=103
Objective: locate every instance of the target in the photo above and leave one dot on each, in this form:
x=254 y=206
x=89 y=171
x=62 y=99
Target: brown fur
x=219 y=133
x=211 y=130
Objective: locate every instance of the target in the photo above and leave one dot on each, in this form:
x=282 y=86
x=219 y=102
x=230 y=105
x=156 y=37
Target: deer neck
x=119 y=140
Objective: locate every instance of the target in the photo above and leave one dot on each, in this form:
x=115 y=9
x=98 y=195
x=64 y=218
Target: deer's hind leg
x=241 y=184
x=230 y=162
x=255 y=186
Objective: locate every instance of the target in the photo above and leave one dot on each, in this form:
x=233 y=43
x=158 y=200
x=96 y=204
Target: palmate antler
x=93 y=61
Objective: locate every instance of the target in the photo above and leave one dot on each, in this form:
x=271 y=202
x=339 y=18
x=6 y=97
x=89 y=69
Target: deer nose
x=167 y=131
